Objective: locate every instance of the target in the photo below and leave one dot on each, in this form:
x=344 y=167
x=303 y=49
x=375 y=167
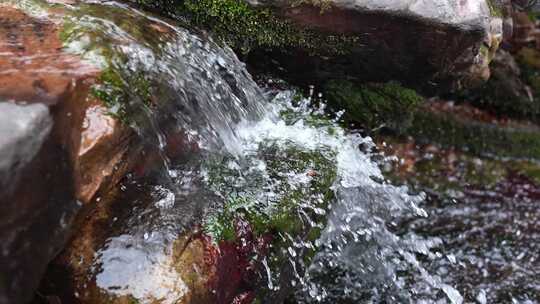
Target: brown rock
x=523 y=29
x=45 y=181
x=421 y=43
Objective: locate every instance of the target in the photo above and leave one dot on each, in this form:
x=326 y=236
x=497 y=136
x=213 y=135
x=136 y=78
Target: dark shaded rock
x=426 y=44
x=374 y=106
x=23 y=129
x=507 y=92
x=37 y=206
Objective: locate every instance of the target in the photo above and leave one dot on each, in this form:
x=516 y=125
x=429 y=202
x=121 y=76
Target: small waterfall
x=270 y=157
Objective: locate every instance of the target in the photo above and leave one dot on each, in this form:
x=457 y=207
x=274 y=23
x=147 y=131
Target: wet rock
x=473 y=203
x=475 y=130
x=110 y=261
x=23 y=129
x=374 y=106
x=425 y=43
x=131 y=93
x=451 y=172
x=508 y=91
x=58 y=147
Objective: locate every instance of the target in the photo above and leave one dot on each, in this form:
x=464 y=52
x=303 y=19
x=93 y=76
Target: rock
x=476 y=131
x=524 y=28
x=151 y=252
x=124 y=96
x=508 y=91
x=36 y=206
x=23 y=129
x=451 y=172
x=374 y=106
x=58 y=146
x=420 y=43
x=114 y=261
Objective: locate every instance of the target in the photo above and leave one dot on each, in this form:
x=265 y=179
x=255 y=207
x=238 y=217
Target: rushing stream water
x=269 y=155
x=370 y=263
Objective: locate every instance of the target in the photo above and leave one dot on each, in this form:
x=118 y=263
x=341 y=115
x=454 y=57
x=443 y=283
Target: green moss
x=316 y=120
x=529 y=58
x=494 y=8
x=324 y=5
x=244 y=28
x=282 y=213
x=476 y=137
x=299 y=187
x=446 y=172
x=124 y=85
x=529 y=169
x=533 y=15
x=373 y=105
x=118 y=91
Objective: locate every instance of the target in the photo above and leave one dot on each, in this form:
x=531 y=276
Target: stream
x=277 y=162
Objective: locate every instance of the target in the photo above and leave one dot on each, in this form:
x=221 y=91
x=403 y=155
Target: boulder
x=23 y=129
x=508 y=91
x=59 y=146
x=85 y=107
x=421 y=43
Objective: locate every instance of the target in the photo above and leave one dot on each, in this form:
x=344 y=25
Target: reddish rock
x=45 y=181
x=34 y=66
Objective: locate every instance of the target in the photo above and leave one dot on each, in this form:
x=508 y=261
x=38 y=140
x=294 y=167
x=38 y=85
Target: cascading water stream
x=271 y=157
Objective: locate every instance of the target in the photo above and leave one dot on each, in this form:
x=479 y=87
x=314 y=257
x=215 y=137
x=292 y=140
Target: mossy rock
x=315 y=40
x=281 y=214
x=126 y=85
x=244 y=28
x=374 y=105
x=286 y=202
x=512 y=91
x=450 y=172
x=522 y=141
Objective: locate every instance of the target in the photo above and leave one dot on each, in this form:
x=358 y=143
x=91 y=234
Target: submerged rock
x=473 y=204
x=422 y=43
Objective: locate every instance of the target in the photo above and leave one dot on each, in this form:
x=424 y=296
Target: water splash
x=274 y=159
x=357 y=245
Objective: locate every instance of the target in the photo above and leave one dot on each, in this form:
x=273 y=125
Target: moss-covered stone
x=281 y=214
x=124 y=86
x=374 y=105
x=244 y=27
x=513 y=89
x=475 y=136
x=450 y=172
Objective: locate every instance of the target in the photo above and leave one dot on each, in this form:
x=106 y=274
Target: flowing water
x=270 y=156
